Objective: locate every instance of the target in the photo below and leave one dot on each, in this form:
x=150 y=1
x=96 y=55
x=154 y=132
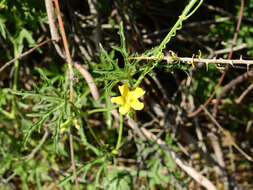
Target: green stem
x=178 y=24
x=158 y=51
x=116 y=150
x=6 y=114
x=141 y=77
x=15 y=88
x=102 y=110
x=120 y=132
x=15 y=83
x=66 y=124
x=91 y=131
x=108 y=115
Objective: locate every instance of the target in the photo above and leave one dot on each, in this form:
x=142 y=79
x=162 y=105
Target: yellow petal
x=117 y=100
x=137 y=105
x=77 y=126
x=138 y=92
x=124 y=109
x=124 y=90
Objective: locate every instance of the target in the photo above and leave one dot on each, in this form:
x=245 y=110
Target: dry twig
x=228 y=86
x=71 y=75
x=24 y=54
x=219 y=157
x=193 y=60
x=229 y=57
x=143 y=133
x=89 y=79
x=189 y=170
x=238 y=100
x=227 y=135
x=52 y=27
x=93 y=5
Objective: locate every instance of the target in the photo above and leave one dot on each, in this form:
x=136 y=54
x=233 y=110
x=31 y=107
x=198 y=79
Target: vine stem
x=158 y=51
x=178 y=24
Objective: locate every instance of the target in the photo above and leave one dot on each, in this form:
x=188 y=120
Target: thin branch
x=189 y=170
x=73 y=159
x=229 y=57
x=64 y=38
x=93 y=5
x=222 y=11
x=52 y=26
x=89 y=79
x=227 y=134
x=192 y=60
x=219 y=157
x=228 y=86
x=70 y=77
x=44 y=138
x=79 y=36
x=217 y=9
x=195 y=24
x=183 y=35
x=238 y=100
x=227 y=50
x=24 y=54
x=145 y=134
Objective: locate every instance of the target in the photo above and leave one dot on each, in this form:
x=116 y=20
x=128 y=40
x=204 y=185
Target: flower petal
x=117 y=100
x=124 y=90
x=138 y=92
x=137 y=105
x=124 y=109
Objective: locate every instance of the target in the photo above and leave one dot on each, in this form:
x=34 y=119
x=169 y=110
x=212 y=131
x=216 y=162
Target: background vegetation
x=167 y=145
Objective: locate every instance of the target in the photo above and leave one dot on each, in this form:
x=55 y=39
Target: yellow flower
x=128 y=99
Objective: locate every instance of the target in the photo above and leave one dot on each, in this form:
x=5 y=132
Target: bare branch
x=232 y=83
x=52 y=26
x=93 y=5
x=238 y=100
x=90 y=81
x=227 y=134
x=24 y=54
x=189 y=170
x=71 y=76
x=145 y=134
x=227 y=50
x=192 y=60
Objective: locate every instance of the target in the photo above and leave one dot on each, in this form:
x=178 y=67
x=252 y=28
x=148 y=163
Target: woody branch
x=192 y=60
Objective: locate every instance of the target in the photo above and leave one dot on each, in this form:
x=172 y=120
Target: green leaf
x=18 y=40
x=122 y=40
x=37 y=125
x=2 y=26
x=117 y=180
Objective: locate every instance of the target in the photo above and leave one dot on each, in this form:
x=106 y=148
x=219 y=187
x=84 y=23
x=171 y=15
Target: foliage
x=36 y=114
